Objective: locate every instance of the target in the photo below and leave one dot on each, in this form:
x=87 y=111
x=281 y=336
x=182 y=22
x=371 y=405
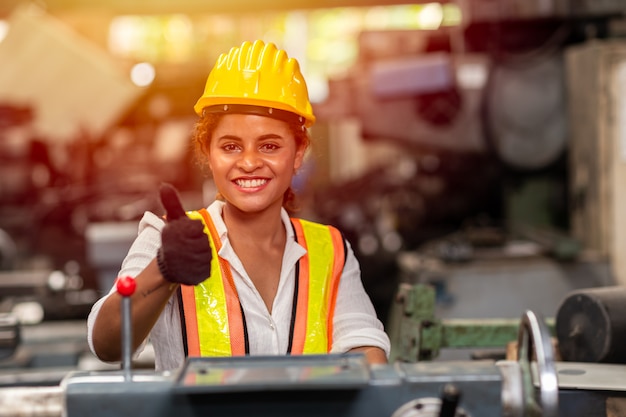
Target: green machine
x=417 y=335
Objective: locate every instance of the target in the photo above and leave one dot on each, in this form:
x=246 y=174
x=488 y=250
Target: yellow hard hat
x=260 y=78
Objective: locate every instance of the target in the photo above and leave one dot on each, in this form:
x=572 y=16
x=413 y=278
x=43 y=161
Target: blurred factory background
x=475 y=145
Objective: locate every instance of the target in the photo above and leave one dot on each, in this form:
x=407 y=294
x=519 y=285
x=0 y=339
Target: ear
x=299 y=159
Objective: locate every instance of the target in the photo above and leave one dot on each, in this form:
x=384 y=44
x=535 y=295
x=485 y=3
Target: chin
x=254 y=207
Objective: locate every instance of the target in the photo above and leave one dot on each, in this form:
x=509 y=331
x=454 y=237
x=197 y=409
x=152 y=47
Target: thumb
x=171 y=202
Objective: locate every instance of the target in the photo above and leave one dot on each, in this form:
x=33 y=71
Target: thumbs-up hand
x=171 y=202
x=185 y=253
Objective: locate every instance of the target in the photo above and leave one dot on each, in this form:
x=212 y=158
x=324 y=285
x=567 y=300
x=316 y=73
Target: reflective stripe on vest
x=212 y=314
x=318 y=282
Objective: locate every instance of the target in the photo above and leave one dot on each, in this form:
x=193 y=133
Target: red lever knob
x=126 y=286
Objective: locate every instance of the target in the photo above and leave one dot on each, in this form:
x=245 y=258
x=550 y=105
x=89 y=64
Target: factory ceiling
x=198 y=6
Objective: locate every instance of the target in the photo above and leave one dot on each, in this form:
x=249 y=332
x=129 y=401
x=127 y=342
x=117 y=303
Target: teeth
x=250 y=183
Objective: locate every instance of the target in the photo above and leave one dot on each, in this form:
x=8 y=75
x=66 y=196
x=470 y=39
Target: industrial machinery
x=334 y=385
x=590 y=325
x=9 y=335
x=418 y=335
x=309 y=386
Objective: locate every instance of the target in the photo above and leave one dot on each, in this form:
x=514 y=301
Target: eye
x=230 y=147
x=269 y=147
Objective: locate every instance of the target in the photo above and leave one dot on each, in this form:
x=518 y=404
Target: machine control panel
x=273 y=373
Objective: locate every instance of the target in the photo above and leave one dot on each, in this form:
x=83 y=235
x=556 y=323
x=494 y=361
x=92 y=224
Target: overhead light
x=57 y=281
x=142 y=74
x=28 y=312
x=4 y=29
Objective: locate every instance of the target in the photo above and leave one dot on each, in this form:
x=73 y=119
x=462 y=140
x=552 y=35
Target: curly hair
x=201 y=141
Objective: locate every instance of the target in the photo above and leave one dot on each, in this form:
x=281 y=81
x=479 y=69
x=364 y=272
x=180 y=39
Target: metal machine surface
x=302 y=386
x=337 y=385
x=591 y=325
x=333 y=385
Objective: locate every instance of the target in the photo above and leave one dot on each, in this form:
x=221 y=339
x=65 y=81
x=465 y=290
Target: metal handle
x=126 y=287
x=534 y=337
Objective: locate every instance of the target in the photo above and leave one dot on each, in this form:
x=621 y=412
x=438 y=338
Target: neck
x=260 y=227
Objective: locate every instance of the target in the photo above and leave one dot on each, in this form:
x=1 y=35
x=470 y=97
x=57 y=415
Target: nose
x=249 y=160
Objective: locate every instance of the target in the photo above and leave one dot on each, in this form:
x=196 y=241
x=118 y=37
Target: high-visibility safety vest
x=213 y=318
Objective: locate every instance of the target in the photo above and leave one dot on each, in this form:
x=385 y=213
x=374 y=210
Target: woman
x=241 y=277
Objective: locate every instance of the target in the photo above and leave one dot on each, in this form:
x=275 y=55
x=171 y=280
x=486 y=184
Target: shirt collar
x=216 y=208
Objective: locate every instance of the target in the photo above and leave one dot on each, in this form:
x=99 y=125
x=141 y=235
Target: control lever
x=534 y=340
x=450 y=397
x=126 y=287
x=447 y=405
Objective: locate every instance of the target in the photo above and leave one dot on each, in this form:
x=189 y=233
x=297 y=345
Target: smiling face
x=253 y=159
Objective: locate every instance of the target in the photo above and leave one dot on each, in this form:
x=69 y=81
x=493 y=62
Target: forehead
x=250 y=125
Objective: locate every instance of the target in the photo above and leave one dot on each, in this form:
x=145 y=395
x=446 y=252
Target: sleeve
x=355 y=322
x=141 y=253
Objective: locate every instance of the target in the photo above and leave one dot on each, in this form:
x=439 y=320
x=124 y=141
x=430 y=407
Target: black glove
x=185 y=253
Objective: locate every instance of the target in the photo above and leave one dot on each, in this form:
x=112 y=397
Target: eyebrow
x=262 y=137
x=270 y=136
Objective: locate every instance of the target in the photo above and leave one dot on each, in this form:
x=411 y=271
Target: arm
x=374 y=355
x=183 y=256
x=356 y=326
x=105 y=318
x=148 y=301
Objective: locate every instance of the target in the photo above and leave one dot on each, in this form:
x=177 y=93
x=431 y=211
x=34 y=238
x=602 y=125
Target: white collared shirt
x=355 y=322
